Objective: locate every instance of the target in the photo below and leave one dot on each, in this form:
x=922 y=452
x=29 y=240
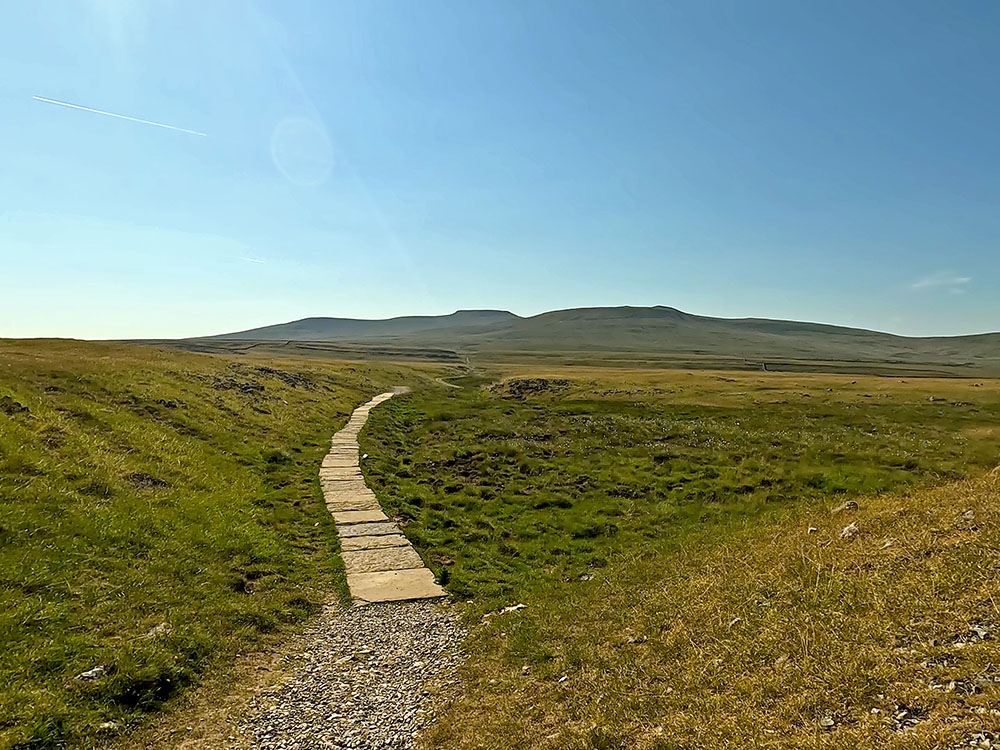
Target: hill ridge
x=656 y=331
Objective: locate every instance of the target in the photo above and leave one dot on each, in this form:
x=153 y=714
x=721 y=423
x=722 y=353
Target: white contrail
x=252 y=260
x=120 y=117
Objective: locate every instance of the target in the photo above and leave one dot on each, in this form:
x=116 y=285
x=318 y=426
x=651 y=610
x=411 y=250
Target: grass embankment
x=159 y=513
x=656 y=527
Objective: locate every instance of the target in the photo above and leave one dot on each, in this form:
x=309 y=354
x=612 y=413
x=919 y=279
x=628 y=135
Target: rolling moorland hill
x=461 y=323
x=653 y=331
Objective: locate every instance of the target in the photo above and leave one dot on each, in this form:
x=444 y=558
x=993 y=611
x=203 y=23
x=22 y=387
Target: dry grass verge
x=777 y=637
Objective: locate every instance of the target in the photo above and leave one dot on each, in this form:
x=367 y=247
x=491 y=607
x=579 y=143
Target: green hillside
x=664 y=334
x=463 y=322
x=159 y=512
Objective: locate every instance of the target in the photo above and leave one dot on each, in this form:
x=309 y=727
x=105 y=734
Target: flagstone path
x=381 y=564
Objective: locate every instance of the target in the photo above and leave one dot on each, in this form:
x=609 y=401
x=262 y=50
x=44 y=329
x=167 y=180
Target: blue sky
x=836 y=162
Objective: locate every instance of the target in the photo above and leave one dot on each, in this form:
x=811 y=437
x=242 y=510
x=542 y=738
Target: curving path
x=381 y=564
x=362 y=677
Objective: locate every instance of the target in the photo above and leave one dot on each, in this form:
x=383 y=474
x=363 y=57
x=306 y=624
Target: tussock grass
x=760 y=639
x=159 y=513
x=656 y=525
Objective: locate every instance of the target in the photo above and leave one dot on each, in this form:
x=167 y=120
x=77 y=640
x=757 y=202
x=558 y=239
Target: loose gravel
x=368 y=677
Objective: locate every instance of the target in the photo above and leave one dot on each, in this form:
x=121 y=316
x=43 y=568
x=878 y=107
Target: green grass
x=506 y=493
x=637 y=515
x=159 y=513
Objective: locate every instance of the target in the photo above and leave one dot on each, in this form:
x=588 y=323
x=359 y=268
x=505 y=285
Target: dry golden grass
x=760 y=640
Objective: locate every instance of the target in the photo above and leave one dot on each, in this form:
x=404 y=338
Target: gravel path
x=367 y=677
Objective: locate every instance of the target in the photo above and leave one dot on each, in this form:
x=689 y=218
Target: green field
x=159 y=513
x=515 y=490
x=653 y=523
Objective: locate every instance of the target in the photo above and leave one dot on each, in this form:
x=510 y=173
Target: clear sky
x=836 y=162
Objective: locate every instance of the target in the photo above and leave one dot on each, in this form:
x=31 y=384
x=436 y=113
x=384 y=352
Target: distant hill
x=660 y=333
x=352 y=329
x=665 y=329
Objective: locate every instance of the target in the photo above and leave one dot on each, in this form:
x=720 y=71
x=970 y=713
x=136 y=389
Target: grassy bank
x=656 y=526
x=159 y=513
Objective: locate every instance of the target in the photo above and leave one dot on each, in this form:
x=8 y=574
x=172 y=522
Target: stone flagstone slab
x=358 y=516
x=349 y=506
x=337 y=475
x=394 y=585
x=367 y=529
x=335 y=496
x=373 y=542
x=381 y=558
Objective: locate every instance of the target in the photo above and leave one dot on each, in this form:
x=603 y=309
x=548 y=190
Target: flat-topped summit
x=659 y=330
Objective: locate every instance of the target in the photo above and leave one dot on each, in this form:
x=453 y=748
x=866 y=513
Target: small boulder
x=849 y=531
x=158 y=630
x=968 y=521
x=93 y=674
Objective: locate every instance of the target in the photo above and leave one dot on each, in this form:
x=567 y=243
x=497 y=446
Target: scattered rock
x=962 y=687
x=157 y=630
x=968 y=520
x=980 y=632
x=827 y=723
x=93 y=674
x=849 y=505
x=982 y=739
x=504 y=611
x=849 y=531
x=906 y=717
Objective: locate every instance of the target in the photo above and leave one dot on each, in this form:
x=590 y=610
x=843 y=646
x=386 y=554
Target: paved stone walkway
x=381 y=564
